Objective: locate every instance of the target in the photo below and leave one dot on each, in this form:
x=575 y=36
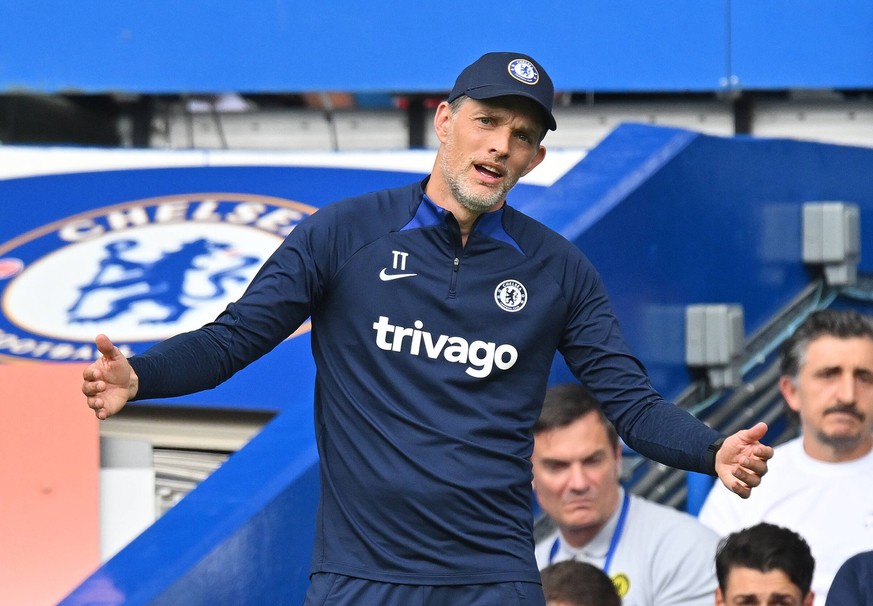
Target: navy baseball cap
x=507 y=74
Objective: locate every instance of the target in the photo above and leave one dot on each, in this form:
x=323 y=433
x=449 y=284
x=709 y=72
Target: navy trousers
x=328 y=589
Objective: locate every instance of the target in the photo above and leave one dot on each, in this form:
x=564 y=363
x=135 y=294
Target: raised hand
x=741 y=461
x=110 y=381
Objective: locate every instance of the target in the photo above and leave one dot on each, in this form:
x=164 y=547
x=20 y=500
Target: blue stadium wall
x=163 y=46
x=670 y=217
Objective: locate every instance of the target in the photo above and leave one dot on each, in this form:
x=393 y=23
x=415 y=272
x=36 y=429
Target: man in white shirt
x=655 y=555
x=820 y=484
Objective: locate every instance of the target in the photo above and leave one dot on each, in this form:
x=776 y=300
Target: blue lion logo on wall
x=141 y=271
x=161 y=282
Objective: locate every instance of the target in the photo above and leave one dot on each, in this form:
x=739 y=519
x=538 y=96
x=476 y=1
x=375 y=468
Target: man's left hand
x=741 y=461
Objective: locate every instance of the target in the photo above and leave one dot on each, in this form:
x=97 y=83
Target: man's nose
x=847 y=389
x=578 y=478
x=499 y=141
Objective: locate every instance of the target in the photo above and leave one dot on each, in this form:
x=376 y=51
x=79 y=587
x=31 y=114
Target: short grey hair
x=843 y=324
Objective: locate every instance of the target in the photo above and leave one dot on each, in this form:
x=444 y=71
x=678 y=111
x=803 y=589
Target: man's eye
x=554 y=466
x=595 y=460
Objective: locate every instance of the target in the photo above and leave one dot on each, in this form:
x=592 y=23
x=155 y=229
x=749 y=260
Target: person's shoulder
x=860 y=561
x=785 y=458
x=405 y=196
x=853 y=582
x=366 y=214
x=518 y=223
x=724 y=512
x=543 y=549
x=666 y=519
x=795 y=444
x=543 y=244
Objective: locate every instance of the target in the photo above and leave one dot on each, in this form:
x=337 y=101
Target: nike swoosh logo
x=385 y=277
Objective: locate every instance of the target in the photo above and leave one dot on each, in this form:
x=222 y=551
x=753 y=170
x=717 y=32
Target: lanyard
x=613 y=543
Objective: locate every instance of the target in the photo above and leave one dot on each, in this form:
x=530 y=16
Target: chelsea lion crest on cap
x=524 y=71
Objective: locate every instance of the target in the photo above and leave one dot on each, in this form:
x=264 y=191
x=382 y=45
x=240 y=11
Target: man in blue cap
x=436 y=312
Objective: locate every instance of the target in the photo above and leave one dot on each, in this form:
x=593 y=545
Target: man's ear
x=618 y=462
x=789 y=392
x=539 y=157
x=809 y=599
x=442 y=120
x=719 y=597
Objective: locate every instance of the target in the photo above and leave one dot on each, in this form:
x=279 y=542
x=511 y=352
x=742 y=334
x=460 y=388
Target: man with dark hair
x=653 y=553
x=436 y=311
x=572 y=583
x=764 y=565
x=821 y=483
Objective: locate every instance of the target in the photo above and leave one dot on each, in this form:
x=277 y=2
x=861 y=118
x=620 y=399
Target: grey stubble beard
x=462 y=193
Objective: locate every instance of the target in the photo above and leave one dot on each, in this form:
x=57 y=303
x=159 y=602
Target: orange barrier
x=49 y=483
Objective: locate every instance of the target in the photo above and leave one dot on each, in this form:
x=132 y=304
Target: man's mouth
x=579 y=504
x=490 y=172
x=848 y=410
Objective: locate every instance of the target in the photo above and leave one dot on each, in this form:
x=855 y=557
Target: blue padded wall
x=162 y=46
x=673 y=218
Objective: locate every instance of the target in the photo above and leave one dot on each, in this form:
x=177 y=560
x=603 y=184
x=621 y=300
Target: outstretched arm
x=110 y=381
x=742 y=459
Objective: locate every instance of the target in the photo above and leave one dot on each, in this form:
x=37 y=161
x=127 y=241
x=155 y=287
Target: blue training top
x=432 y=363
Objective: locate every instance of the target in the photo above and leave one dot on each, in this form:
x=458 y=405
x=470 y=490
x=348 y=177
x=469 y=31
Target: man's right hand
x=110 y=381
